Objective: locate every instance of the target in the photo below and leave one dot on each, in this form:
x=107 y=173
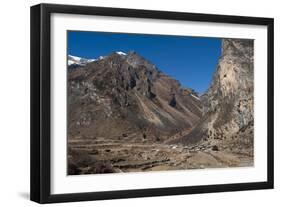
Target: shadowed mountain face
x=124 y=95
x=228 y=103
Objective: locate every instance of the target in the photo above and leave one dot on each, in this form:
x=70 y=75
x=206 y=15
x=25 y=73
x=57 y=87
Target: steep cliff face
x=125 y=96
x=228 y=104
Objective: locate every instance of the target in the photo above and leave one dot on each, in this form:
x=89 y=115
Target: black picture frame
x=41 y=97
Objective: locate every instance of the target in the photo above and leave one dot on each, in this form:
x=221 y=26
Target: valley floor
x=101 y=156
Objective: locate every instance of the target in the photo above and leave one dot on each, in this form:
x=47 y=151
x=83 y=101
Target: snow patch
x=121 y=53
x=70 y=62
x=101 y=57
x=195 y=97
x=74 y=58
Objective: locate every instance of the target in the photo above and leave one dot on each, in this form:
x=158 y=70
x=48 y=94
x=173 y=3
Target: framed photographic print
x=133 y=103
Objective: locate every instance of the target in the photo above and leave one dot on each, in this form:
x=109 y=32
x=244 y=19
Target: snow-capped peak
x=78 y=60
x=101 y=57
x=121 y=53
x=74 y=58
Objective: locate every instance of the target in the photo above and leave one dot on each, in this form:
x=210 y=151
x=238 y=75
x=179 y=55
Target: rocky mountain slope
x=123 y=96
x=228 y=104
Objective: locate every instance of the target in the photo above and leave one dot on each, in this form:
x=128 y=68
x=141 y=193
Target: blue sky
x=190 y=60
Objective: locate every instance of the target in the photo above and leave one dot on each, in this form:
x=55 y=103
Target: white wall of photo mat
x=61 y=183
